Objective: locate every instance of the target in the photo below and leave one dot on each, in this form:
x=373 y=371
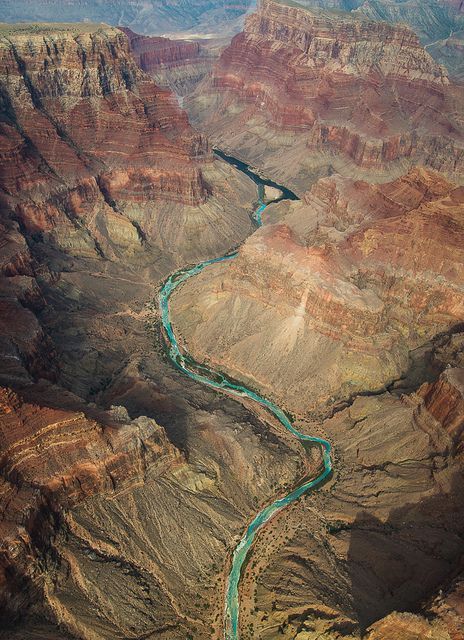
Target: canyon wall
x=105 y=189
x=439 y=24
x=112 y=161
x=304 y=93
x=329 y=300
x=179 y=65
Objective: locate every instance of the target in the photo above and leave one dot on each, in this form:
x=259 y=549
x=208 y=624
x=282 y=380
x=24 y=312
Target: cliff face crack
x=219 y=381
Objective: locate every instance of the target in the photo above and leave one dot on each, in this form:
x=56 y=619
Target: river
x=203 y=374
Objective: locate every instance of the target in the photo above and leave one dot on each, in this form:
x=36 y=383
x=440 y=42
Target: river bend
x=217 y=380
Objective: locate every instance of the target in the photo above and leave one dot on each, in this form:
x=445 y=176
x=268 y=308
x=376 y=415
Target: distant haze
x=143 y=16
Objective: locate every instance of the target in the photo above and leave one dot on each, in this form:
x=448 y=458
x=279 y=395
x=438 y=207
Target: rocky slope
x=303 y=93
x=385 y=535
x=330 y=299
x=177 y=64
x=154 y=16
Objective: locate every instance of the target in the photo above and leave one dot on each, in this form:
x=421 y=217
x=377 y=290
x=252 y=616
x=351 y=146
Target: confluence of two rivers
x=217 y=380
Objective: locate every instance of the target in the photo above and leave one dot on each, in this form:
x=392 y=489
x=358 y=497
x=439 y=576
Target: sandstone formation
x=177 y=64
x=152 y=16
x=329 y=300
x=305 y=92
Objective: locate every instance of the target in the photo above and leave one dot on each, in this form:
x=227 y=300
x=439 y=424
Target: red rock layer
x=365 y=90
x=51 y=459
x=85 y=129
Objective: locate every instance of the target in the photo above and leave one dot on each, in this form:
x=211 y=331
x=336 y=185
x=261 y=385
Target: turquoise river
x=220 y=381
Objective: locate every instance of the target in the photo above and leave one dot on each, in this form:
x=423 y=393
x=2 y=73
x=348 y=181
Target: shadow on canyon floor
x=397 y=564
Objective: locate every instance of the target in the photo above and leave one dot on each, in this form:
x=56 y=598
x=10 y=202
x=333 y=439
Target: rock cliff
x=50 y=460
x=305 y=92
x=439 y=24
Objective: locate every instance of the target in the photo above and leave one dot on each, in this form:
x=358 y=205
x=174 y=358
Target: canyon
x=303 y=93
x=127 y=486
x=179 y=65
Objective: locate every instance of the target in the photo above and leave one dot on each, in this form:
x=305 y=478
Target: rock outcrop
x=95 y=509
x=305 y=92
x=329 y=300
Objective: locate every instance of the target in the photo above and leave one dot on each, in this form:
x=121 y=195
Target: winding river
x=220 y=381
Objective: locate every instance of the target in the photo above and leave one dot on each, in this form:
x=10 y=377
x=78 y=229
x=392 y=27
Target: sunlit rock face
x=152 y=16
x=303 y=93
x=96 y=135
x=329 y=300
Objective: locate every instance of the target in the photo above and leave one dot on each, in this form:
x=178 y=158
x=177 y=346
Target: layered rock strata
x=177 y=64
x=439 y=25
x=330 y=299
x=305 y=92
x=112 y=162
